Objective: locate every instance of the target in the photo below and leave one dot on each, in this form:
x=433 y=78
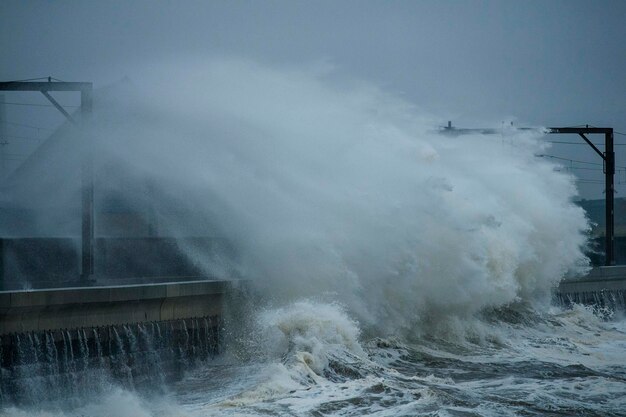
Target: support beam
x=609 y=171
x=3 y=137
x=44 y=86
x=590 y=143
x=609 y=180
x=58 y=106
x=609 y=175
x=577 y=130
x=86 y=105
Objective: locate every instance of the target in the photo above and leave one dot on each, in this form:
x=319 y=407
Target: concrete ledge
x=602 y=273
x=604 y=286
x=568 y=287
x=105 y=294
x=612 y=278
x=67 y=308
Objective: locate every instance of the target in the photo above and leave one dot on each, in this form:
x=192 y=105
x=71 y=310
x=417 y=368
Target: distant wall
x=55 y=262
x=597 y=255
x=603 y=287
x=72 y=308
x=32 y=262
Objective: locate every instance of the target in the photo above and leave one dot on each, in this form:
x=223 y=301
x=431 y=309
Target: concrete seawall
x=598 y=279
x=604 y=286
x=68 y=308
x=78 y=339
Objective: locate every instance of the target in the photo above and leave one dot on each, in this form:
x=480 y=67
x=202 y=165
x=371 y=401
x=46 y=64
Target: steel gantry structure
x=608 y=156
x=86 y=104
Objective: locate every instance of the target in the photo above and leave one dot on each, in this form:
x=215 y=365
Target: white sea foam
x=310 y=331
x=339 y=190
x=118 y=403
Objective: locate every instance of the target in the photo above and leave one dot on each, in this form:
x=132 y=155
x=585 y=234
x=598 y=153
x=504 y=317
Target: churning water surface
x=310 y=359
x=562 y=362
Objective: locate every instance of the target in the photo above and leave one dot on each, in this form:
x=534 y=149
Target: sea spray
x=346 y=194
x=122 y=359
x=117 y=402
x=341 y=192
x=310 y=332
x=303 y=344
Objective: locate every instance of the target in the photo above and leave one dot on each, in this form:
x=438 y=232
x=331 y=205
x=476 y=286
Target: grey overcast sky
x=540 y=62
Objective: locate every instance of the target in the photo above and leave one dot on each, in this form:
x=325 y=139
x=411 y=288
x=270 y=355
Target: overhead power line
x=567 y=159
x=28 y=126
x=35 y=104
x=588 y=169
x=614 y=132
x=574 y=160
x=35 y=79
x=588 y=181
x=22 y=137
x=580 y=143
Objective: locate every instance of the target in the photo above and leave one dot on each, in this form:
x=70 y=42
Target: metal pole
x=86 y=103
x=610 y=194
x=3 y=136
x=609 y=170
x=58 y=106
x=87 y=235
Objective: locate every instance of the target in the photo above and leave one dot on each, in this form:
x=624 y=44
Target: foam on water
x=544 y=363
x=311 y=331
x=311 y=361
x=118 y=402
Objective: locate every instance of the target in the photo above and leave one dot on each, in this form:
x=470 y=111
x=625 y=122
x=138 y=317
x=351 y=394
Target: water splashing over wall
x=70 y=364
x=342 y=191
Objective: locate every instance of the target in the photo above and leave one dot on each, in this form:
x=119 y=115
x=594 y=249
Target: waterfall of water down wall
x=65 y=365
x=606 y=301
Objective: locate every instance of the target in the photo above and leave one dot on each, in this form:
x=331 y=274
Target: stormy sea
x=311 y=359
x=387 y=269
x=560 y=362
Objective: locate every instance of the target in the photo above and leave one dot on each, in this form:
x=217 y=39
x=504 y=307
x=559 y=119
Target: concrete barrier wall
x=53 y=366
x=55 y=262
x=598 y=279
x=77 y=339
x=68 y=308
x=36 y=262
x=604 y=286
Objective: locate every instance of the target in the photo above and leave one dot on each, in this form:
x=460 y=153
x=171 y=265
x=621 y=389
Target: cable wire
x=35 y=104
x=22 y=137
x=587 y=169
x=575 y=161
x=579 y=143
x=29 y=126
x=28 y=79
x=587 y=181
x=34 y=79
x=568 y=160
x=614 y=132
